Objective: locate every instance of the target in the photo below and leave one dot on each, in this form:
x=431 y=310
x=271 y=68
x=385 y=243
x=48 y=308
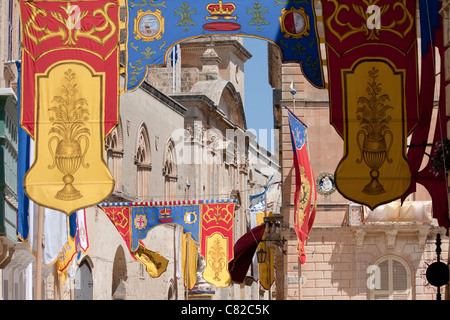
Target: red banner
x=305 y=184
x=373 y=88
x=216 y=241
x=154 y=262
x=77 y=30
x=69 y=98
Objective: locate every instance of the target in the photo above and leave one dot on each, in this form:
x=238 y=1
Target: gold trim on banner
x=305 y=194
x=218 y=214
x=68 y=30
x=305 y=17
x=371 y=34
x=148 y=33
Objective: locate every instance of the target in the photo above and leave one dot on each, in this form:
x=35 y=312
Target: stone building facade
x=202 y=97
x=348 y=246
x=200 y=101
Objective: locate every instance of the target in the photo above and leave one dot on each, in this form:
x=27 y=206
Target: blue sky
x=258 y=93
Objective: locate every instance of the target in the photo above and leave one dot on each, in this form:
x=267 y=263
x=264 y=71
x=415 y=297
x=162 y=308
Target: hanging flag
x=58 y=236
x=154 y=27
x=82 y=234
x=210 y=223
x=266 y=269
x=216 y=242
x=120 y=214
x=274 y=197
x=189 y=251
x=23 y=164
x=429 y=25
x=257 y=206
x=70 y=249
x=70 y=74
x=305 y=191
x=147 y=215
x=154 y=262
x=373 y=88
x=244 y=252
x=58 y=231
x=434 y=176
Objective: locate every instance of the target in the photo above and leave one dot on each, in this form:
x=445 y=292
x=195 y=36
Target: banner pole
x=293 y=92
x=187 y=265
x=40 y=227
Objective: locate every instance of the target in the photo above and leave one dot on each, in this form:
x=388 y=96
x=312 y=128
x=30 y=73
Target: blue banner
x=144 y=218
x=23 y=164
x=141 y=217
x=154 y=26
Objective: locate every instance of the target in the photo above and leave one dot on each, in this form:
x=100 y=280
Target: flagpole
x=56 y=286
x=269 y=291
x=299 y=275
x=40 y=227
x=187 y=265
x=293 y=92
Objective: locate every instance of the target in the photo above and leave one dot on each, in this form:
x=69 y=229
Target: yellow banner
x=69 y=170
x=154 y=262
x=374 y=168
x=189 y=246
x=266 y=269
x=216 y=270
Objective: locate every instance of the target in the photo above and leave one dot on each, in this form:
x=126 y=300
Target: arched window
x=114 y=156
x=170 y=171
x=143 y=162
x=392 y=279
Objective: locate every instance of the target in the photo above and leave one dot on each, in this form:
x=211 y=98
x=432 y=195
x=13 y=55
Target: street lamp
x=261 y=255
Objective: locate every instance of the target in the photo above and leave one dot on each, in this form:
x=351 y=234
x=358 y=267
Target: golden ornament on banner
x=374 y=169
x=371 y=139
x=70 y=131
x=216 y=270
x=69 y=171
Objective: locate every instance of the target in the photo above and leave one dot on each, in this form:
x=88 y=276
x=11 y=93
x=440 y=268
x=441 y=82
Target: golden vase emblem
x=68 y=127
x=374 y=152
x=216 y=259
x=371 y=139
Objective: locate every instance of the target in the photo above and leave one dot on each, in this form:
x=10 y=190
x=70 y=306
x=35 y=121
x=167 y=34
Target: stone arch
x=119 y=275
x=84 y=284
x=390 y=277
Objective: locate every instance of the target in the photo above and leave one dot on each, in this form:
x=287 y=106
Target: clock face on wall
x=325 y=184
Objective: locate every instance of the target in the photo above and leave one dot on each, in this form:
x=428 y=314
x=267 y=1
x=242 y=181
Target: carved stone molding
x=391 y=236
x=359 y=238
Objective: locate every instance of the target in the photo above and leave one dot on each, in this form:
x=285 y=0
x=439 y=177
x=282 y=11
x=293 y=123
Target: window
x=394 y=279
x=114 y=156
x=170 y=172
x=10 y=30
x=143 y=162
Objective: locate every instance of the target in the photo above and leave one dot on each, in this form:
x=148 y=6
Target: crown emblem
x=221 y=11
x=165 y=212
